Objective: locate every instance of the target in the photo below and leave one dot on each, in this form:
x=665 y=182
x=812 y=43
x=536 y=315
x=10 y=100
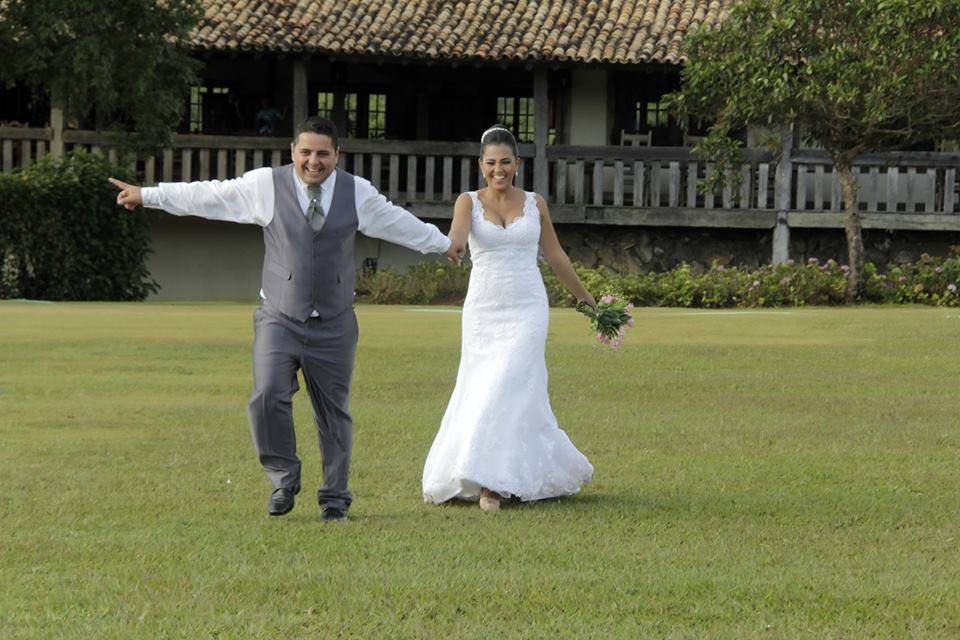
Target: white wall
x=588 y=107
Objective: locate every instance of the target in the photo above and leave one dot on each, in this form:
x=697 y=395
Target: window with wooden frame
x=197 y=95
x=366 y=112
x=517 y=114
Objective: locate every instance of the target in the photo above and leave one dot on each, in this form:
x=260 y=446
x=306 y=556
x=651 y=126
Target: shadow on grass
x=692 y=504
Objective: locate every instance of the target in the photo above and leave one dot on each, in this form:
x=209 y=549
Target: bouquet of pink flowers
x=610 y=319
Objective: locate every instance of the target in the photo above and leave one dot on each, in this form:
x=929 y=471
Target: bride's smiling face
x=498 y=165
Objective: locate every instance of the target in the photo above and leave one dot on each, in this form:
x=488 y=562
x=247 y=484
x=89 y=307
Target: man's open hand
x=129 y=195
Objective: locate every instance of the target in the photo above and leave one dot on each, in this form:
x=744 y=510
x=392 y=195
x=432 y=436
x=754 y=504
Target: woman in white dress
x=499 y=437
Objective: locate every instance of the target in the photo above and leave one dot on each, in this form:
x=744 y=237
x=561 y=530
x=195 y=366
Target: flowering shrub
x=931 y=280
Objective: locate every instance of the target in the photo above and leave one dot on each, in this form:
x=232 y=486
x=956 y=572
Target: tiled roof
x=610 y=31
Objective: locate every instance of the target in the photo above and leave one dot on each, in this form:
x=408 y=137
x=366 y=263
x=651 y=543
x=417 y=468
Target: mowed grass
x=778 y=474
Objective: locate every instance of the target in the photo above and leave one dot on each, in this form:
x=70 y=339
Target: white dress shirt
x=249 y=199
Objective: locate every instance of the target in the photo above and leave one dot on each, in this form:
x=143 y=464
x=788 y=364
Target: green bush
x=62 y=237
x=931 y=281
x=422 y=283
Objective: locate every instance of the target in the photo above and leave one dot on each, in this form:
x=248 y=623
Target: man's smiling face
x=314 y=157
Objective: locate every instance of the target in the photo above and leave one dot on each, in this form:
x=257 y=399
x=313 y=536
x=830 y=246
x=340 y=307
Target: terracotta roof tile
x=608 y=31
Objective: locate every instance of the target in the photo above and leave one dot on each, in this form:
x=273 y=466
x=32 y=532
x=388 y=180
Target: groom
x=310 y=212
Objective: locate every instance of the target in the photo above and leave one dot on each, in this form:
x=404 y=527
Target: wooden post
x=763 y=180
x=423 y=115
x=339 y=112
x=949 y=182
x=56 y=125
x=447 y=178
x=299 y=93
x=541 y=114
x=784 y=176
x=7 y=156
x=560 y=197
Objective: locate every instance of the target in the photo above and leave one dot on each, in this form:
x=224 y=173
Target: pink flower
x=615 y=343
x=630 y=321
x=629 y=307
x=902 y=278
x=812 y=261
x=720 y=267
x=756 y=283
x=622 y=333
x=607 y=299
x=831 y=262
x=952 y=287
x=845 y=268
x=939 y=269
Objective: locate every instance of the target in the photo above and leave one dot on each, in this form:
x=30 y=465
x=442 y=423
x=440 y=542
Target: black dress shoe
x=332 y=514
x=281 y=501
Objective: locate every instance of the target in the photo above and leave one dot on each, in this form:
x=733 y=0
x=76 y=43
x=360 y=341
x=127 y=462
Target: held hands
x=129 y=195
x=455 y=252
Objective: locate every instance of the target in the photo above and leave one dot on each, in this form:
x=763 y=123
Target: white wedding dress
x=499 y=431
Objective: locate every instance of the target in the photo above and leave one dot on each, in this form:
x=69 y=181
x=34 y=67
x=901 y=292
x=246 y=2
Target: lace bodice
x=515 y=246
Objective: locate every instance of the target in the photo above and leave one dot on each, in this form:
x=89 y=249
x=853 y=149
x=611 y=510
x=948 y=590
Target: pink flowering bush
x=930 y=280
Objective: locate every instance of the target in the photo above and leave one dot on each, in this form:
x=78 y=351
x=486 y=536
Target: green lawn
x=775 y=474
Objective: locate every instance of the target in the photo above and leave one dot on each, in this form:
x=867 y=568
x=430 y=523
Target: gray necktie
x=315 y=215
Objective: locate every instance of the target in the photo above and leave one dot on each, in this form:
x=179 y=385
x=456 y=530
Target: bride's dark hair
x=498 y=134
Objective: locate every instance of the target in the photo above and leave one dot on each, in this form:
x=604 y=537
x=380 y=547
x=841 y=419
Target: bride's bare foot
x=489 y=501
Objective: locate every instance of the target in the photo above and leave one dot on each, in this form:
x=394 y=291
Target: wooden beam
x=875 y=220
x=664 y=217
x=300 y=104
x=541 y=113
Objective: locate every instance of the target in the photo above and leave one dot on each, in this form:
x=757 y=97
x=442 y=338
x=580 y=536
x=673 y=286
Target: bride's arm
x=460 y=226
x=557 y=258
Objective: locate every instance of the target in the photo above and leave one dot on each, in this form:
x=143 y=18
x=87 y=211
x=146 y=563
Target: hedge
x=62 y=236
x=931 y=280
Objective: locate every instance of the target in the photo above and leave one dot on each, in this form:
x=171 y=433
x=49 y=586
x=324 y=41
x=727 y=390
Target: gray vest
x=305 y=271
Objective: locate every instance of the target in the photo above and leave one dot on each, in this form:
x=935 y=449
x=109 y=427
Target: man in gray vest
x=310 y=212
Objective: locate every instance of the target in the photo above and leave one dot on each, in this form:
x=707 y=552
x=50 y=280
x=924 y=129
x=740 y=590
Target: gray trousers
x=324 y=350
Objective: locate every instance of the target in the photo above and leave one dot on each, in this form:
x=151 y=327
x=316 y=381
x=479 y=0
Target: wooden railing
x=606 y=185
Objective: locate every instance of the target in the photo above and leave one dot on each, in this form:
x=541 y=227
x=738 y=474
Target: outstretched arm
x=248 y=199
x=380 y=218
x=557 y=258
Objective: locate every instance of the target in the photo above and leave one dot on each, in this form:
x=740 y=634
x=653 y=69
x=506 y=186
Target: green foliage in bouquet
x=610 y=317
x=62 y=236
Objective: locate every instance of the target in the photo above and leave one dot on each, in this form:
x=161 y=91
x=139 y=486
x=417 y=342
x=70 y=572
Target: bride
x=499 y=437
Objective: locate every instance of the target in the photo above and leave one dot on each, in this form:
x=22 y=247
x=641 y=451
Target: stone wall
x=634 y=249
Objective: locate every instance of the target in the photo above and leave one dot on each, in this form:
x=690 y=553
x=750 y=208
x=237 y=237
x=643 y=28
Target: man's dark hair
x=322 y=126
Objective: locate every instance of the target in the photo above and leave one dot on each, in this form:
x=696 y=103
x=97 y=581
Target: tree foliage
x=119 y=64
x=856 y=76
x=63 y=237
